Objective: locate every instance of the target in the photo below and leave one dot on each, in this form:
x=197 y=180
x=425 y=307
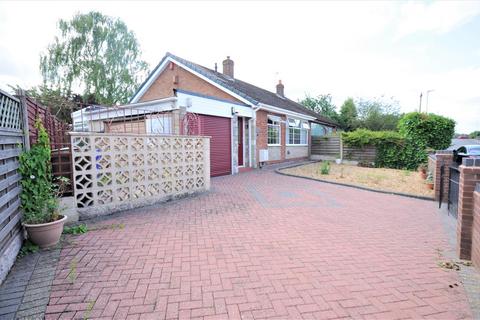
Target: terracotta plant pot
x=430 y=186
x=46 y=235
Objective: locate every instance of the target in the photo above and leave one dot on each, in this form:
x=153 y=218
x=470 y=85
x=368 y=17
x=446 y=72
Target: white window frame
x=297 y=125
x=275 y=124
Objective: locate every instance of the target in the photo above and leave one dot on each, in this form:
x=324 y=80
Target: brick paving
x=260 y=245
x=26 y=291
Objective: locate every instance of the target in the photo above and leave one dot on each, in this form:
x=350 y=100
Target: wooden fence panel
x=332 y=147
x=326 y=146
x=59 y=140
x=365 y=154
x=11 y=145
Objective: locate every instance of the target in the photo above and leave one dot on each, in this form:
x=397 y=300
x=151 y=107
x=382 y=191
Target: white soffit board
x=213 y=107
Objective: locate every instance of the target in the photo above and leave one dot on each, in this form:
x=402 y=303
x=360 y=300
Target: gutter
x=285 y=112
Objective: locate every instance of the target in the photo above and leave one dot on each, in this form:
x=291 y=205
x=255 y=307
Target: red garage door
x=220 y=144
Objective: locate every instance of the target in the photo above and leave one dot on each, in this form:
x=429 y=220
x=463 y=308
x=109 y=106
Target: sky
x=347 y=49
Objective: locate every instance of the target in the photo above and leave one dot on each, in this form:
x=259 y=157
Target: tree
x=348 y=116
x=378 y=114
x=322 y=104
x=96 y=55
x=474 y=135
x=59 y=105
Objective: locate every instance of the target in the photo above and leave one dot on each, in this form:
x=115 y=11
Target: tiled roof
x=249 y=92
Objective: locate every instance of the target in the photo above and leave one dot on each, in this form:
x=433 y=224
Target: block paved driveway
x=261 y=245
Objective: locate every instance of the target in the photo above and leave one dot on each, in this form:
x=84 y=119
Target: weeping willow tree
x=96 y=55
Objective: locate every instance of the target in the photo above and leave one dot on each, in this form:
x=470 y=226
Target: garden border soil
x=279 y=171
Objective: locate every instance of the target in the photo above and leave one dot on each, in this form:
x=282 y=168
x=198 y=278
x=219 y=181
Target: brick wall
x=262 y=136
x=445 y=159
x=469 y=177
x=178 y=78
x=476 y=228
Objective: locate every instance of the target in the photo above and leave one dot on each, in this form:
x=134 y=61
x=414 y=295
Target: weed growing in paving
x=27 y=248
x=78 y=229
x=87 y=313
x=72 y=275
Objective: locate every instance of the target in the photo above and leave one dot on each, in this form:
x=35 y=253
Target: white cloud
x=342 y=48
x=438 y=17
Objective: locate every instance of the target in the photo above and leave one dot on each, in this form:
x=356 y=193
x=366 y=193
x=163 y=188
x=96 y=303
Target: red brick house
x=249 y=126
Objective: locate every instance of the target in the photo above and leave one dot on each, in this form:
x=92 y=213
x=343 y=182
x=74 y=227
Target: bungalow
x=249 y=126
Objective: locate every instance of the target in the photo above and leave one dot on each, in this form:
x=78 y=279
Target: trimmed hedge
x=435 y=131
x=365 y=137
x=405 y=149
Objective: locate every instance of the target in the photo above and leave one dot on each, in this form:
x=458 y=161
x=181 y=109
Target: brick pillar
x=469 y=177
x=476 y=228
x=442 y=158
x=260 y=134
x=182 y=124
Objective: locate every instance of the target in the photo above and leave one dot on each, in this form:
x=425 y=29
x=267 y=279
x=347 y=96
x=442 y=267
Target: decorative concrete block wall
x=476 y=227
x=114 y=172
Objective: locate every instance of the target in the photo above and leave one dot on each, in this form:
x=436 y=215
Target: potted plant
x=39 y=204
x=423 y=170
x=429 y=181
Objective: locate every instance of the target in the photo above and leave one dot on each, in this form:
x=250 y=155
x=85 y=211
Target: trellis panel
x=115 y=172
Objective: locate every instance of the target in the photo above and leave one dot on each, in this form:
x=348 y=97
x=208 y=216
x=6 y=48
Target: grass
x=402 y=181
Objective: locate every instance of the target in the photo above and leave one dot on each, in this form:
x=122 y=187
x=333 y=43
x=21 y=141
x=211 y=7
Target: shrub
x=37 y=197
x=325 y=168
x=393 y=150
x=407 y=154
x=364 y=137
x=435 y=131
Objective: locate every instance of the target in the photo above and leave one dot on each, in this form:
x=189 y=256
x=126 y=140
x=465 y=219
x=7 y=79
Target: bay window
x=273 y=130
x=297 y=133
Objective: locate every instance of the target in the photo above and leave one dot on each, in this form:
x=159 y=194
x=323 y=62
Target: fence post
x=341 y=147
x=24 y=112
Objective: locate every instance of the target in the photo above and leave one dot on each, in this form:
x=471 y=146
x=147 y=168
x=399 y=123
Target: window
x=273 y=130
x=297 y=132
x=159 y=124
x=318 y=130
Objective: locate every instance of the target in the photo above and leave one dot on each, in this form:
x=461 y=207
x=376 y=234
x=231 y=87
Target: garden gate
x=453 y=189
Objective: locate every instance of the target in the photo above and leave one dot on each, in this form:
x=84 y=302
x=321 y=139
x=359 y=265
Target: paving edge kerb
x=279 y=171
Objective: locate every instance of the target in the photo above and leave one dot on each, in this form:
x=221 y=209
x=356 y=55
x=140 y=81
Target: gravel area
x=394 y=180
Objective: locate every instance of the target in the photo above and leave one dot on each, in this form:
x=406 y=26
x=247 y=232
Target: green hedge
x=393 y=150
x=364 y=137
x=405 y=149
x=435 y=131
